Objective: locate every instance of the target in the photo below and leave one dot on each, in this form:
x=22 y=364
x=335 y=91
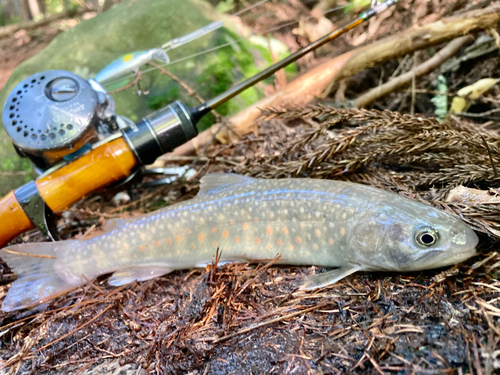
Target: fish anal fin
x=218 y=182
x=128 y=275
x=327 y=278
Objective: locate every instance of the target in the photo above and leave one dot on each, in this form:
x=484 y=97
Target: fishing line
x=147 y=70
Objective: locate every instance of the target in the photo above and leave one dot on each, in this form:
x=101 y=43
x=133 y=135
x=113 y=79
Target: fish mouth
x=447 y=259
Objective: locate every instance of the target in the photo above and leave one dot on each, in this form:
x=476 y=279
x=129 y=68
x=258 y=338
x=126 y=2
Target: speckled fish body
x=308 y=222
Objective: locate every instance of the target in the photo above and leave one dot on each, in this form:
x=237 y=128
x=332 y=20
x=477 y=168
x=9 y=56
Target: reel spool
x=55 y=116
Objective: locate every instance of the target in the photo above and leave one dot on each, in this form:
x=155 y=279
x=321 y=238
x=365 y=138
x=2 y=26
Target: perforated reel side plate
x=49 y=110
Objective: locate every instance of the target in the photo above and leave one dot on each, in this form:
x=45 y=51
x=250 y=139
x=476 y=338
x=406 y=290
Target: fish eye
x=426 y=236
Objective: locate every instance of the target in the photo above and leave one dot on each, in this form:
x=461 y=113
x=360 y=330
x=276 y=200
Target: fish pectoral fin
x=327 y=278
x=128 y=275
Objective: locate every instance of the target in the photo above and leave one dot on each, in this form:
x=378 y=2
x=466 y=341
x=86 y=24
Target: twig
x=262 y=324
x=29 y=255
x=405 y=79
x=186 y=87
x=495 y=172
x=138 y=78
x=73 y=331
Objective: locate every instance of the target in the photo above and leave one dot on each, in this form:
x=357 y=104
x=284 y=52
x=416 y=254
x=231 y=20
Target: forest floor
x=243 y=318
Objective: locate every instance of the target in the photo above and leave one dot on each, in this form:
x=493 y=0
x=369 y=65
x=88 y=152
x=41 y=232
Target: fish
x=129 y=63
x=325 y=223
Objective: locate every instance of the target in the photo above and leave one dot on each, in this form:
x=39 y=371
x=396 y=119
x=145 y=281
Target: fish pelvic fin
x=327 y=278
x=128 y=275
x=41 y=275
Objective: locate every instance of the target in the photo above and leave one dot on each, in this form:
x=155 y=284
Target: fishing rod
x=67 y=127
x=132 y=74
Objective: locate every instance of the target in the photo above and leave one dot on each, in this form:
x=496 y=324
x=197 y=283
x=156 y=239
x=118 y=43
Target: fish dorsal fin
x=219 y=182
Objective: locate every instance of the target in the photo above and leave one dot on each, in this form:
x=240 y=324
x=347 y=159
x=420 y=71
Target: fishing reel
x=67 y=127
x=54 y=117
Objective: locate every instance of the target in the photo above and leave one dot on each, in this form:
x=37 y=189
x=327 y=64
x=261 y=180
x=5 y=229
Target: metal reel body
x=52 y=115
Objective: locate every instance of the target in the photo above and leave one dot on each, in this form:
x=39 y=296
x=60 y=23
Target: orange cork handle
x=13 y=220
x=106 y=164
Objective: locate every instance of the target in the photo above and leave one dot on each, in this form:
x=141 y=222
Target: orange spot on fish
x=214 y=243
x=342 y=231
x=201 y=237
x=280 y=242
x=256 y=219
x=257 y=240
x=225 y=234
x=317 y=232
x=269 y=246
x=290 y=247
x=231 y=222
x=158 y=243
x=237 y=239
x=126 y=246
x=298 y=239
x=269 y=230
x=302 y=224
x=187 y=231
x=315 y=247
x=214 y=229
x=285 y=230
x=169 y=241
x=330 y=241
x=179 y=238
x=192 y=246
x=141 y=248
x=245 y=226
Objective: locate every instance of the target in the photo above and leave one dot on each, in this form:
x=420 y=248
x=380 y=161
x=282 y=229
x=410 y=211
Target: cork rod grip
x=13 y=220
x=106 y=164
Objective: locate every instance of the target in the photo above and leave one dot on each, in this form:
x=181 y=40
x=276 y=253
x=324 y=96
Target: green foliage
x=441 y=100
x=3 y=21
x=225 y=6
x=357 y=5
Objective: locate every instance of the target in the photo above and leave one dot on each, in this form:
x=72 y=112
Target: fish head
x=409 y=236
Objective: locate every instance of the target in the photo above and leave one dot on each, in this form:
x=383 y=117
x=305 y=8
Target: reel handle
x=108 y=163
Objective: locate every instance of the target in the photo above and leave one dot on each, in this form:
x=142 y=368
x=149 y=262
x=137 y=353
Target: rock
x=141 y=25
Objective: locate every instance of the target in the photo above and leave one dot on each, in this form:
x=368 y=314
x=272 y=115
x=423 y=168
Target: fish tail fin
x=41 y=275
